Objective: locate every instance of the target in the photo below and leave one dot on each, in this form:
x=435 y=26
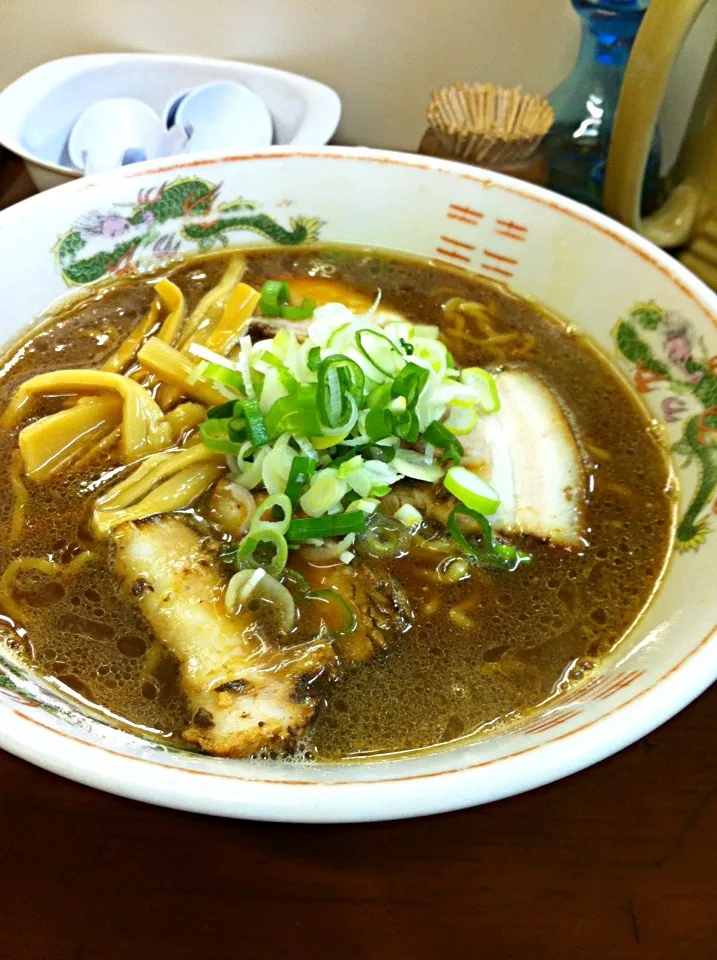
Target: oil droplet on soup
x=482 y=649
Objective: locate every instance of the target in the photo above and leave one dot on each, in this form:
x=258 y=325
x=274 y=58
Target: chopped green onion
x=491 y=552
x=340 y=379
x=295 y=414
x=266 y=356
x=274 y=302
x=326 y=491
x=288 y=381
x=379 y=423
x=241 y=586
x=484 y=384
x=410 y=383
x=330 y=597
x=461 y=419
x=337 y=525
x=407 y=427
x=380 y=396
x=472 y=490
x=367 y=504
x=255 y=551
x=383 y=538
x=313 y=360
x=274 y=295
x=486 y=534
x=277 y=502
x=379 y=351
x=306 y=310
x=298 y=578
x=302 y=470
x=379 y=452
x=224 y=411
x=409 y=516
x=413 y=464
x=370 y=451
x=510 y=554
x=220 y=374
x=215 y=437
x=407 y=347
x=439 y=436
x=254 y=423
x=237 y=430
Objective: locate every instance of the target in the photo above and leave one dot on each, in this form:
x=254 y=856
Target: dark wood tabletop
x=617 y=862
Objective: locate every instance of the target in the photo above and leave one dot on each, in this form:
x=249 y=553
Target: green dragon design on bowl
x=154 y=226
x=665 y=354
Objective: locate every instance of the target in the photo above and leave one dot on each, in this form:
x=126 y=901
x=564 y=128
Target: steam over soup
x=327 y=503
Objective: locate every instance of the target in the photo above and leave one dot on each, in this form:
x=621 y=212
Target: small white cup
x=222 y=115
x=114 y=132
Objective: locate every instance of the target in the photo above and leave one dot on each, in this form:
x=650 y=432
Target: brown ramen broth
x=482 y=650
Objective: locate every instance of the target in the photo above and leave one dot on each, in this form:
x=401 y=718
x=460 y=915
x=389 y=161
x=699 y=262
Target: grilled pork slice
x=245 y=693
x=529 y=453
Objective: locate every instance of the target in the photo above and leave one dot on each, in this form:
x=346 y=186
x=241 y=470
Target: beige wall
x=383 y=56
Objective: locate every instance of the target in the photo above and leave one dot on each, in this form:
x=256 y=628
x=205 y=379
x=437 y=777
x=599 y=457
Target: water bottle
x=585 y=102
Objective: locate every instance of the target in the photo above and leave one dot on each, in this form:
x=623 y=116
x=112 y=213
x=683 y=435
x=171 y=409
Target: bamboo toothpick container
x=495 y=127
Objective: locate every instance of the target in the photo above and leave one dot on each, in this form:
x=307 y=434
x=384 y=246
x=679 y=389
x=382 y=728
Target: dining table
x=616 y=862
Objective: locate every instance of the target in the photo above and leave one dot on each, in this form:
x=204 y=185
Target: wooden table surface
x=613 y=863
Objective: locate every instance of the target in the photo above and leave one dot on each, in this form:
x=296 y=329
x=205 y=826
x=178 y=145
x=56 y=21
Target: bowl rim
x=318 y=801
x=326 y=101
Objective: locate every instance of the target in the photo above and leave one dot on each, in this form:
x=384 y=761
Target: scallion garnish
x=356 y=389
x=340 y=380
x=295 y=414
x=379 y=423
x=407 y=427
x=224 y=411
x=439 y=436
x=265 y=548
x=302 y=470
x=215 y=436
x=237 y=430
x=303 y=312
x=274 y=295
x=280 y=507
x=275 y=302
x=255 y=425
x=490 y=552
x=472 y=490
x=336 y=525
x=334 y=603
x=379 y=351
x=410 y=383
x=220 y=374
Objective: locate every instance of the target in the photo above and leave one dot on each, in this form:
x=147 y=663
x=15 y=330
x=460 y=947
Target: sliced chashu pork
x=245 y=693
x=529 y=453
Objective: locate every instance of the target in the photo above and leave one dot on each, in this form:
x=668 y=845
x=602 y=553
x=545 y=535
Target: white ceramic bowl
x=38 y=110
x=580 y=264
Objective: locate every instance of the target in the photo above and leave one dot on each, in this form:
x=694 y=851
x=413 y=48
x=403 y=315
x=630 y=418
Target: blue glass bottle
x=585 y=102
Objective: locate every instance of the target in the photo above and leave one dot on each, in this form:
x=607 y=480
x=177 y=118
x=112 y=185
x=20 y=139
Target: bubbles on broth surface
x=481 y=649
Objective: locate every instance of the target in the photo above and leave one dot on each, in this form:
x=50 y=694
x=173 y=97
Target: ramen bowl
x=633 y=301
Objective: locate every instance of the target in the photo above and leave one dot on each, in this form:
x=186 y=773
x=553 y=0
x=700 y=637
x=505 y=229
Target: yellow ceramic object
x=688 y=218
